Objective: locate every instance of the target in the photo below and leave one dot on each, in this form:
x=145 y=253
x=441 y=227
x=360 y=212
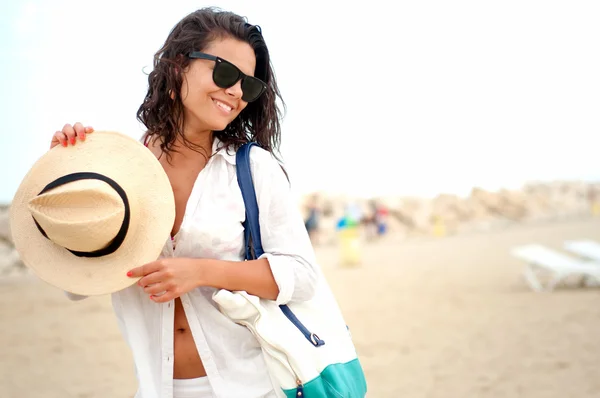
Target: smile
x=223 y=106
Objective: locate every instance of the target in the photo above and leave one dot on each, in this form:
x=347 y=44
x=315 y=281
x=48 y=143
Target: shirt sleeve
x=285 y=240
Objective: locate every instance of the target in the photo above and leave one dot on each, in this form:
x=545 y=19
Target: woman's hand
x=69 y=135
x=168 y=278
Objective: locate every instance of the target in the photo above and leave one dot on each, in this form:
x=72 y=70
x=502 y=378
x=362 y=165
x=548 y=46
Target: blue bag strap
x=251 y=225
x=253 y=241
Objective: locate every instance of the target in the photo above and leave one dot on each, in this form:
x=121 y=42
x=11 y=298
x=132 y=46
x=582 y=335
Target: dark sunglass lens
x=225 y=74
x=252 y=88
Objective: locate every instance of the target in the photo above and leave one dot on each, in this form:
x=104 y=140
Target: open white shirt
x=212 y=228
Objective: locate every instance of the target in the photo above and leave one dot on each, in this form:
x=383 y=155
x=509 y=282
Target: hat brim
x=152 y=204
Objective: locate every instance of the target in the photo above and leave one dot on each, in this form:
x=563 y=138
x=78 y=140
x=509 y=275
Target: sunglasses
x=226 y=75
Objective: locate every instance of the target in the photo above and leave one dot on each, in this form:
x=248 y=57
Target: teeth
x=223 y=106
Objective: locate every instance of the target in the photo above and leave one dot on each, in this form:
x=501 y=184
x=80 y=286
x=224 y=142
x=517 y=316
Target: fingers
x=58 y=138
x=70 y=134
x=156 y=279
x=157 y=288
x=160 y=292
x=69 y=131
x=150 y=279
x=145 y=269
x=163 y=298
x=79 y=131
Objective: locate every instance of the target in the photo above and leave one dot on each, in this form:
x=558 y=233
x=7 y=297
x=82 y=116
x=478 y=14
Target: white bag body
x=292 y=358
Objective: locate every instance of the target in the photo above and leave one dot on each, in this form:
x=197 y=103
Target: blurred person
x=211 y=90
x=381 y=219
x=354 y=212
x=369 y=220
x=374 y=221
x=312 y=220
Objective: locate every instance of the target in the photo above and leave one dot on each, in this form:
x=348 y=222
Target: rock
x=5 y=225
x=10 y=263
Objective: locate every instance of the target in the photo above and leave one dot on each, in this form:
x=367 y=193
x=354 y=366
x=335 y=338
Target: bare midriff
x=182 y=171
x=187 y=363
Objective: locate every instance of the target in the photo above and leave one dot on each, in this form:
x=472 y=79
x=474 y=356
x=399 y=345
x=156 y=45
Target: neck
x=201 y=138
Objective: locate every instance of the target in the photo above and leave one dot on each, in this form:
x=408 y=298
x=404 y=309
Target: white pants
x=192 y=388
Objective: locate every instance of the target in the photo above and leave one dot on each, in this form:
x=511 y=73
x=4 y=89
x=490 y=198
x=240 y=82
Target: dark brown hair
x=163 y=116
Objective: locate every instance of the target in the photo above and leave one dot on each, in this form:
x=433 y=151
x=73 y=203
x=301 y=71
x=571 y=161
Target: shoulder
x=262 y=162
x=258 y=155
x=261 y=157
x=264 y=165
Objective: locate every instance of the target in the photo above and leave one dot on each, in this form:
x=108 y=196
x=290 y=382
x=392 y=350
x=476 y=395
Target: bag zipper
x=299 y=389
x=312 y=337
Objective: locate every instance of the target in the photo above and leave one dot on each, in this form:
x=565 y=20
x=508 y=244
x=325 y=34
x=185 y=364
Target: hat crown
x=83 y=215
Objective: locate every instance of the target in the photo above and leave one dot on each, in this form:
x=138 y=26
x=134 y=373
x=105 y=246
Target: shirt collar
x=226 y=153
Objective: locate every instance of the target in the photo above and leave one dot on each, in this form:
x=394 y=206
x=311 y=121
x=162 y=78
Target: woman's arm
x=286 y=271
x=254 y=277
x=288 y=250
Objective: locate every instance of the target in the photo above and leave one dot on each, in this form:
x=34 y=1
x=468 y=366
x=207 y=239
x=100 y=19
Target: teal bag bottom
x=340 y=380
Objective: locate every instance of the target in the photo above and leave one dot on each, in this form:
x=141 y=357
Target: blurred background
x=438 y=150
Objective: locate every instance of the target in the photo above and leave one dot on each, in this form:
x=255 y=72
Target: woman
x=312 y=221
x=212 y=89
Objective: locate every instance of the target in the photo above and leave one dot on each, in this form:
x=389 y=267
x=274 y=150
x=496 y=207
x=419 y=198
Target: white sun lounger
x=585 y=248
x=560 y=266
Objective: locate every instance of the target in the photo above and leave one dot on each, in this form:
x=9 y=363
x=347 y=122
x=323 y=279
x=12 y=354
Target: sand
x=430 y=318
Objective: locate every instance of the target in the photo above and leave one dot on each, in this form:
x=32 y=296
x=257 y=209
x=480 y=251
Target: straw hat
x=86 y=214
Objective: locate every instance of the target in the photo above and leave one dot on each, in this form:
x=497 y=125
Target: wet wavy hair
x=164 y=116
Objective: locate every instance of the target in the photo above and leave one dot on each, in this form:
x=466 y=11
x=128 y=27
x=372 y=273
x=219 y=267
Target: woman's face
x=207 y=106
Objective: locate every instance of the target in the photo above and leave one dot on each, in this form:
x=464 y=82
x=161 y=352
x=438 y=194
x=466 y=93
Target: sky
x=383 y=98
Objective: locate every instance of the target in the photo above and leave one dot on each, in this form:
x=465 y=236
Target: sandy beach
x=447 y=318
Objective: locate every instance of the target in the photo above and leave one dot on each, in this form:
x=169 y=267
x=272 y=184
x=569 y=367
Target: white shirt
x=212 y=228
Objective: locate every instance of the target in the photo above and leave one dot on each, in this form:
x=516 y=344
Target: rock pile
x=480 y=210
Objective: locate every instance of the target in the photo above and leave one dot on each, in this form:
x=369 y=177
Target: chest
x=209 y=210
x=183 y=177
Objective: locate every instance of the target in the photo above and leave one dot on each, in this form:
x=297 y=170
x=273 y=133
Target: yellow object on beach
x=596 y=209
x=439 y=228
x=349 y=240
